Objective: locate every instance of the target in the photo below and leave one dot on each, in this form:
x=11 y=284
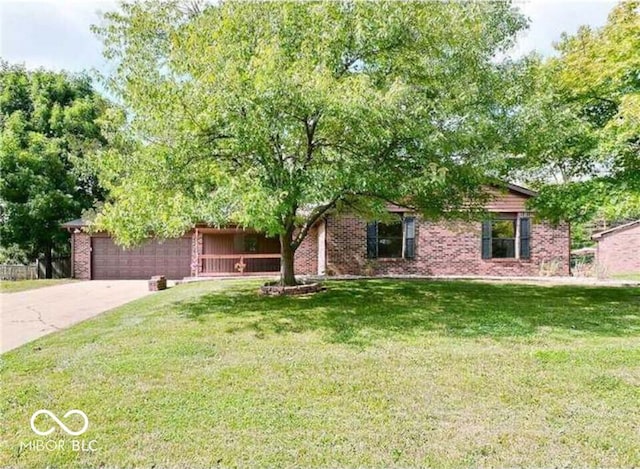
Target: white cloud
x=549 y=19
x=51 y=34
x=55 y=34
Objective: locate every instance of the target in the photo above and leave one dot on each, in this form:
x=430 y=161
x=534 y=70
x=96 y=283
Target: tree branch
x=315 y=215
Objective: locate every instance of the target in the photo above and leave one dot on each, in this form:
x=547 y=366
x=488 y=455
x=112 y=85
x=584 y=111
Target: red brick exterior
x=81 y=255
x=618 y=252
x=196 y=250
x=444 y=249
x=306 y=258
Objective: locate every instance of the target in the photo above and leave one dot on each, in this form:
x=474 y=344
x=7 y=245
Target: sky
x=55 y=34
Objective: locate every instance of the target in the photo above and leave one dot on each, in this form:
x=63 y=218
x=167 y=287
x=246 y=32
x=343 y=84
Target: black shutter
x=525 y=238
x=372 y=240
x=486 y=239
x=409 y=237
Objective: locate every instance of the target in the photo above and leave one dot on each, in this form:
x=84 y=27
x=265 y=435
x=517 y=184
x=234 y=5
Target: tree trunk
x=287 y=274
x=48 y=267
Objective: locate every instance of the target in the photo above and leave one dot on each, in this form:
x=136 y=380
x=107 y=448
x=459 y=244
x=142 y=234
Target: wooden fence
x=61 y=268
x=18 y=272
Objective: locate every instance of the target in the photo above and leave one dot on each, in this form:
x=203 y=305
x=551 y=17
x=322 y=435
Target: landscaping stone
x=157 y=283
x=302 y=289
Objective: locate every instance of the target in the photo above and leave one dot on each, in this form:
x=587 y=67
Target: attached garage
x=171 y=258
x=200 y=252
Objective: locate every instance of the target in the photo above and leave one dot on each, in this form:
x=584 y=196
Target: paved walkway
x=30 y=314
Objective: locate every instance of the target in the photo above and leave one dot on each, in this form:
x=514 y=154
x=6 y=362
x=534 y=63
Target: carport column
x=196 y=252
x=81 y=255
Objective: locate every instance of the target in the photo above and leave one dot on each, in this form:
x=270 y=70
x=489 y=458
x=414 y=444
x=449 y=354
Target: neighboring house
x=618 y=250
x=511 y=243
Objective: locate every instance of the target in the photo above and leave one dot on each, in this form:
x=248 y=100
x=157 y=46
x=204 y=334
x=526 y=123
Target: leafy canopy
x=580 y=122
x=269 y=114
x=49 y=125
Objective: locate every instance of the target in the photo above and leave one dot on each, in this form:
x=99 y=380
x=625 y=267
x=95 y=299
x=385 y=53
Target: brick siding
x=196 y=250
x=81 y=256
x=306 y=258
x=441 y=249
x=619 y=252
x=444 y=248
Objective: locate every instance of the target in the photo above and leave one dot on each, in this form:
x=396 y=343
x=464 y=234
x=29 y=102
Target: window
x=503 y=238
x=507 y=237
x=391 y=240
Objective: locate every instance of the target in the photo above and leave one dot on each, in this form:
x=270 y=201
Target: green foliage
x=13 y=254
x=579 y=123
x=49 y=126
x=270 y=114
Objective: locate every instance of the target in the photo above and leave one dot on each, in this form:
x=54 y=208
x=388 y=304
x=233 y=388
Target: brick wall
x=444 y=248
x=306 y=258
x=619 y=252
x=81 y=256
x=196 y=250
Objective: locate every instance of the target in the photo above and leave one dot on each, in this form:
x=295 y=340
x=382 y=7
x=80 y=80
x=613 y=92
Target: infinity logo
x=60 y=424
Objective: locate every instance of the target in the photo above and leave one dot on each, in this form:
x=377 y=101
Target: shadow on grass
x=361 y=311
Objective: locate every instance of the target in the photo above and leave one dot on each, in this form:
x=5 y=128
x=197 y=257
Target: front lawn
x=370 y=373
x=12 y=286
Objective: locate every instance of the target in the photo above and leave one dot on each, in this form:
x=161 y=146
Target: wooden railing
x=234 y=264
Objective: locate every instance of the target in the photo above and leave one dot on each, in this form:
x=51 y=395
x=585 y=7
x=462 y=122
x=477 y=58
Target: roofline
x=73 y=224
x=599 y=235
x=522 y=190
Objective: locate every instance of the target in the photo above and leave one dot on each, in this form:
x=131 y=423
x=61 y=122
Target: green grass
x=13 y=286
x=369 y=373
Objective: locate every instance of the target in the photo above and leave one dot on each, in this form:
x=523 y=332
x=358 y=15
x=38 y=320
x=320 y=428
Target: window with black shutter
x=503 y=238
x=391 y=240
x=525 y=238
x=372 y=240
x=486 y=239
x=506 y=237
x=409 y=237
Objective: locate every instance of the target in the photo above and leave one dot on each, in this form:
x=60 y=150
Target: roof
x=626 y=226
x=77 y=223
x=521 y=190
x=81 y=222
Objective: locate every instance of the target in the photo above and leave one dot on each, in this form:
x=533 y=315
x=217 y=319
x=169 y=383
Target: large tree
x=580 y=122
x=269 y=115
x=49 y=125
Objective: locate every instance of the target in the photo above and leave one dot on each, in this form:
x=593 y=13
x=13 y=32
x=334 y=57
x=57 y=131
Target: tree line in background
x=270 y=115
x=50 y=125
x=579 y=125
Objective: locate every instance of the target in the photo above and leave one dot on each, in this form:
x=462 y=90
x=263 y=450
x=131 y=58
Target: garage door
x=171 y=258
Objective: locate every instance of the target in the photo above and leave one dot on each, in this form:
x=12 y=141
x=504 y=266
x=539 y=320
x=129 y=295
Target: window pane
x=391 y=230
x=503 y=229
x=390 y=239
x=390 y=247
x=503 y=247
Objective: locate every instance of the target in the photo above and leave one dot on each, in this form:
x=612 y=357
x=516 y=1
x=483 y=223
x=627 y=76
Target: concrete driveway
x=27 y=315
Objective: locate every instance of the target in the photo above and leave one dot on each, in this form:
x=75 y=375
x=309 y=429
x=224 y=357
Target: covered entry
x=170 y=258
x=236 y=252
